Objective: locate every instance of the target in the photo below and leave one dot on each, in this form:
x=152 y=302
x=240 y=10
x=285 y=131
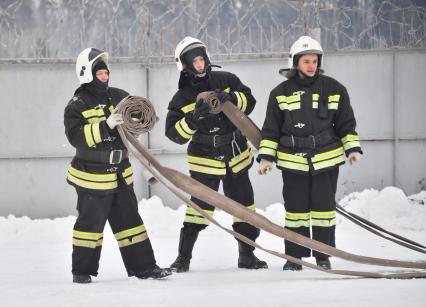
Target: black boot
x=155 y=272
x=291 y=266
x=81 y=279
x=324 y=263
x=186 y=244
x=247 y=260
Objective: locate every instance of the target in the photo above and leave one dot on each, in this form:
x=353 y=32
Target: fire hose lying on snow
x=139 y=117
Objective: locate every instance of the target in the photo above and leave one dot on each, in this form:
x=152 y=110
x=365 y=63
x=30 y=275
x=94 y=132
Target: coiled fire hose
x=139 y=117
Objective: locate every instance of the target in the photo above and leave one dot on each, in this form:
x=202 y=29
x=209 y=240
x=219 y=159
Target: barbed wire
x=129 y=28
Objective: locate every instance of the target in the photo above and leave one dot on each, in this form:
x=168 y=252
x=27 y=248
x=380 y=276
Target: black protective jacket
x=86 y=129
x=180 y=127
x=317 y=110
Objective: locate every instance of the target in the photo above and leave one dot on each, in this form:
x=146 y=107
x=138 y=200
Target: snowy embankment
x=35 y=262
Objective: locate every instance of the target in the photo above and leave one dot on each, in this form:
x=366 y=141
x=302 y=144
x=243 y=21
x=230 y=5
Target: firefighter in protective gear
x=217 y=150
x=308 y=130
x=103 y=176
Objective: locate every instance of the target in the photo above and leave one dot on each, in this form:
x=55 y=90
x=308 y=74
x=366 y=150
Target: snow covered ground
x=35 y=260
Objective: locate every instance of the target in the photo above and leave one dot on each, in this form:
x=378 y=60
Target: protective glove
x=114 y=120
x=354 y=157
x=201 y=111
x=224 y=96
x=265 y=167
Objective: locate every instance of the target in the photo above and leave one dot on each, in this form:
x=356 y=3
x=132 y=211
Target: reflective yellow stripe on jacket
x=328 y=158
x=94 y=115
x=183 y=129
x=241 y=161
x=98 y=181
x=241 y=99
x=206 y=166
x=290 y=161
x=92 y=134
x=268 y=147
x=288 y=102
x=350 y=141
x=188 y=108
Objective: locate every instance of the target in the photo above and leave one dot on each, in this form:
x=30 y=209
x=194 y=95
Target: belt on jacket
x=216 y=140
x=103 y=156
x=310 y=142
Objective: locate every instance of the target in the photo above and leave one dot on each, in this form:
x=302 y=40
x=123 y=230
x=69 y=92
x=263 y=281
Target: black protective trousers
x=120 y=209
x=237 y=188
x=304 y=194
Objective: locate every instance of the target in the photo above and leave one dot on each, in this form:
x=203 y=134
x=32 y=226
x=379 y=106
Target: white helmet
x=188 y=43
x=86 y=61
x=304 y=45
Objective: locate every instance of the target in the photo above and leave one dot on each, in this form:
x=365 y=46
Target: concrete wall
x=387 y=91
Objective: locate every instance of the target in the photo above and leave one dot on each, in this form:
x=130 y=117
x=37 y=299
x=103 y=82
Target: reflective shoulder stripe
x=93 y=113
x=315 y=97
x=288 y=99
x=228 y=89
x=188 y=108
x=290 y=107
x=334 y=98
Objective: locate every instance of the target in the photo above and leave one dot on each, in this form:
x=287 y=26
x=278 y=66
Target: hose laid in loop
x=139 y=117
